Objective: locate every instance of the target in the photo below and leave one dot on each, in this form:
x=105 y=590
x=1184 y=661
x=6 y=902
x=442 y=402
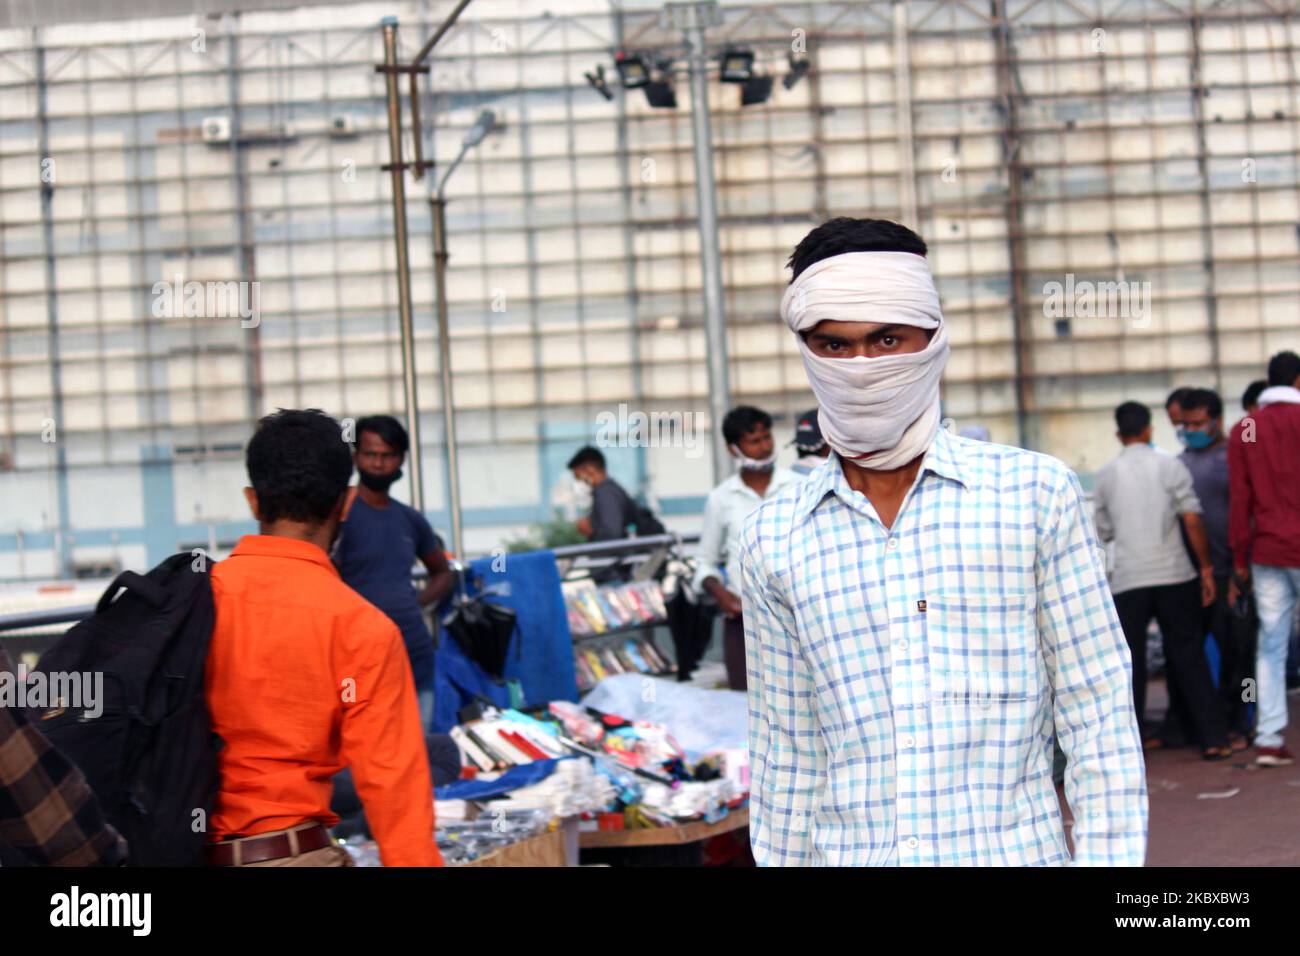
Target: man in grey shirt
x=613 y=510
x=1141 y=498
x=1206 y=457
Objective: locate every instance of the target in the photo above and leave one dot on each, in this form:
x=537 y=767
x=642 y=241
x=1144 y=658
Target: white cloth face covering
x=745 y=463
x=878 y=412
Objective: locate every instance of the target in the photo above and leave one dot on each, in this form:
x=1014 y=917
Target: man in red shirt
x=1264 y=533
x=305 y=677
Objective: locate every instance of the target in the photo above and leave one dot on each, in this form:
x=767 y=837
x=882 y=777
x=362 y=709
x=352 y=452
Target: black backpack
x=644 y=521
x=151 y=755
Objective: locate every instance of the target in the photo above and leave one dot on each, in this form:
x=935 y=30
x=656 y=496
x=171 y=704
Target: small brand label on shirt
x=920 y=607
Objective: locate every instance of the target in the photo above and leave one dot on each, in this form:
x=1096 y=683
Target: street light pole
x=391 y=70
x=439 y=203
x=485 y=123
x=694 y=19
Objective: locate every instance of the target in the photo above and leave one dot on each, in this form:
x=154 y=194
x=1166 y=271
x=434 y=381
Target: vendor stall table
x=664 y=836
x=545 y=849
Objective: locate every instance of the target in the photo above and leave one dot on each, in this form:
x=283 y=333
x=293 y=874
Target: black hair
x=389 y=430
x=1177 y=395
x=1251 y=395
x=1283 y=368
x=1132 y=418
x=843 y=234
x=1206 y=398
x=742 y=420
x=587 y=455
x=299 y=465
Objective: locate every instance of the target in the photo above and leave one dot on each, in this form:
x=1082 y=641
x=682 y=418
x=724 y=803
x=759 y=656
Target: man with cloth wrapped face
x=923 y=615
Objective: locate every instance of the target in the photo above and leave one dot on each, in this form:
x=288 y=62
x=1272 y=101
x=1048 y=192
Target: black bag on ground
x=150 y=756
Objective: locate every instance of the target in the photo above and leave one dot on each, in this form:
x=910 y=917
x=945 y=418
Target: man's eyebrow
x=840 y=337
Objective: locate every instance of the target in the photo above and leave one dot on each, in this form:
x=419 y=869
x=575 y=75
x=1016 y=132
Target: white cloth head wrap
x=879 y=412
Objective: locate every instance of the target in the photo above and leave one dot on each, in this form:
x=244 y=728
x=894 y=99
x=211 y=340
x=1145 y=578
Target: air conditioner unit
x=342 y=125
x=216 y=129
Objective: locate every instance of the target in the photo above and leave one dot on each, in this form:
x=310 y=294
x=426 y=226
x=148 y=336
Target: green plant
x=556 y=533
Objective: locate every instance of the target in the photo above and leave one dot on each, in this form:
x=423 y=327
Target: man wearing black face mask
x=380 y=541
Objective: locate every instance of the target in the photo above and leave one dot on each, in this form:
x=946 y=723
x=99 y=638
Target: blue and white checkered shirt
x=904 y=682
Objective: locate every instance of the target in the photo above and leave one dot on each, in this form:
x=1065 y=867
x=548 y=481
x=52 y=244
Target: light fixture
x=757 y=89
x=597 y=81
x=631 y=70
x=486 y=122
x=797 y=70
x=737 y=66
x=661 y=95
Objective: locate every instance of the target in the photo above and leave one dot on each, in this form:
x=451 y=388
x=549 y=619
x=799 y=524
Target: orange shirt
x=305 y=677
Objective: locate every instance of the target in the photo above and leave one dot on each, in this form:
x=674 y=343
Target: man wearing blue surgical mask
x=1206 y=457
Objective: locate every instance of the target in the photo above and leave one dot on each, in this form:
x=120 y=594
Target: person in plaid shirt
x=925 y=614
x=48 y=814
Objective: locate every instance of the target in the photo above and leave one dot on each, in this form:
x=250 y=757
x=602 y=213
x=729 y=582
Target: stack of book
x=636 y=655
x=599 y=610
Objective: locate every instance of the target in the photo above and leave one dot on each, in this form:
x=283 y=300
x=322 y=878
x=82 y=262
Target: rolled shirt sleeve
x=383 y=741
x=1181 y=490
x=713 y=536
x=1089 y=668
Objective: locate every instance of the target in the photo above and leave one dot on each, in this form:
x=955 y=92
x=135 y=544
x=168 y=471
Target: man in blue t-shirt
x=380 y=541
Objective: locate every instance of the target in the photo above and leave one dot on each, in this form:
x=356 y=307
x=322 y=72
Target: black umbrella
x=483 y=631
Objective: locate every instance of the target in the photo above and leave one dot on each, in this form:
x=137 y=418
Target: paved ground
x=1258 y=826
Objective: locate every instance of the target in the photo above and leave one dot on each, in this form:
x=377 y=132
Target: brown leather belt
x=261 y=849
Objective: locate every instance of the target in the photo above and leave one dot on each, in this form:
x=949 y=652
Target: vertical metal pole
x=439 y=205
x=62 y=540
x=247 y=264
x=706 y=197
x=1207 y=214
x=1021 y=328
x=903 y=109
x=403 y=259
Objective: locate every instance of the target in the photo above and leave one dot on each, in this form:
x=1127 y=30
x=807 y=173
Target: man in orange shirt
x=305 y=677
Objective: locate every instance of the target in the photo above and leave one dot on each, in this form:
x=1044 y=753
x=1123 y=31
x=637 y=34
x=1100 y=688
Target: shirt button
x=901 y=644
x=908 y=741
x=912 y=843
x=892 y=544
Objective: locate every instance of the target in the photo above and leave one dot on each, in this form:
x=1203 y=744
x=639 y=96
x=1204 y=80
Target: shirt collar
x=275 y=546
x=780 y=478
x=946 y=457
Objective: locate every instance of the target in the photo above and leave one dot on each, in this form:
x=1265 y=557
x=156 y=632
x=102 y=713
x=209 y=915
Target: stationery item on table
x=498 y=760
x=471 y=750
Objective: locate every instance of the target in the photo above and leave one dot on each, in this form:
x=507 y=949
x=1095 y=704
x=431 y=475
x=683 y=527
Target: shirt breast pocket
x=982 y=648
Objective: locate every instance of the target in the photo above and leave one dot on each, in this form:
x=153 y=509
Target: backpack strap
x=137 y=583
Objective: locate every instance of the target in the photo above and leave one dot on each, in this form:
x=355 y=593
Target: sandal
x=1238 y=743
x=1216 y=753
x=1153 y=743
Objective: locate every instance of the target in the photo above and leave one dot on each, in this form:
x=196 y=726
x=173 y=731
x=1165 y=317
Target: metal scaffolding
x=1150 y=141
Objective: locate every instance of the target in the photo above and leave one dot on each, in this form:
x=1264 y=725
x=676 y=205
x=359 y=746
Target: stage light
x=798 y=68
x=597 y=81
x=737 y=66
x=631 y=70
x=757 y=89
x=661 y=95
